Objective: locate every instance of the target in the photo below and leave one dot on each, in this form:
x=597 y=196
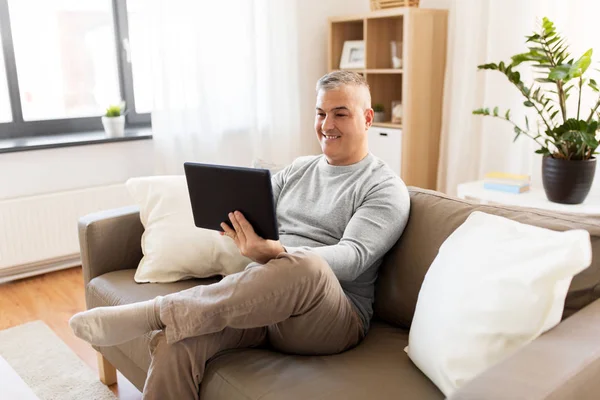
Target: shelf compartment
x=380 y=33
x=341 y=32
x=385 y=88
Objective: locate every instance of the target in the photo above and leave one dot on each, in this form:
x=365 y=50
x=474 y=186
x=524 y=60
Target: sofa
x=563 y=363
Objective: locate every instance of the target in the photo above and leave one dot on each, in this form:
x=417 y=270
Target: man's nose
x=327 y=124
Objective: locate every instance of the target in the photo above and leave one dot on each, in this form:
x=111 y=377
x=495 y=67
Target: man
x=309 y=293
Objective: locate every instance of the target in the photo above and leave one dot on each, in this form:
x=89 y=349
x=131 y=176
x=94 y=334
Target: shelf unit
x=419 y=84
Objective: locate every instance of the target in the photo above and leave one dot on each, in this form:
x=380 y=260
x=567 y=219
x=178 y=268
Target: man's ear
x=369 y=115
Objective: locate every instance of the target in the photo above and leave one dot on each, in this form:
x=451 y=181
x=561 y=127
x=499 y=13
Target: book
x=506 y=182
x=507 y=176
x=506 y=188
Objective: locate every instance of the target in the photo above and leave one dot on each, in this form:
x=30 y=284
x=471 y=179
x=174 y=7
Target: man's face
x=341 y=124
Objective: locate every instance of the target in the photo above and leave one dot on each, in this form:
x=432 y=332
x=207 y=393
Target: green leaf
x=113 y=111
x=527 y=122
x=495 y=111
x=528 y=103
x=559 y=73
x=561 y=58
x=491 y=66
x=519 y=58
x=590 y=141
x=533 y=38
x=515 y=77
x=526 y=57
x=557 y=46
x=547 y=25
x=537 y=50
x=592 y=83
x=553 y=40
x=545 y=80
x=518 y=132
x=581 y=65
x=482 y=111
x=507 y=115
x=553 y=114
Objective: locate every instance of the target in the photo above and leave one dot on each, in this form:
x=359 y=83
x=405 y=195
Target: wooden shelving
x=383 y=71
x=387 y=125
x=420 y=35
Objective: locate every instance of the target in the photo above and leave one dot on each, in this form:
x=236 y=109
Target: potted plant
x=567 y=141
x=379 y=113
x=114 y=120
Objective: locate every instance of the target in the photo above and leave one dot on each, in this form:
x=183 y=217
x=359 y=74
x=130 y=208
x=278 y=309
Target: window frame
x=18 y=128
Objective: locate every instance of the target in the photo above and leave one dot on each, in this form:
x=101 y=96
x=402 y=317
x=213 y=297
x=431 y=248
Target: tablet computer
x=217 y=190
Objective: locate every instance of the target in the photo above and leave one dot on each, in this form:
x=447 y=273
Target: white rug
x=48 y=366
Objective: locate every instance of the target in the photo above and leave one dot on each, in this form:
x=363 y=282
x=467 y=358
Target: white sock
x=110 y=326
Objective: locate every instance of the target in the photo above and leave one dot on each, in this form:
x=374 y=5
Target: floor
x=54 y=298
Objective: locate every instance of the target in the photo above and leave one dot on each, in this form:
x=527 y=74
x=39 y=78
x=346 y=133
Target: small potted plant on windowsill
x=114 y=120
x=567 y=143
x=379 y=111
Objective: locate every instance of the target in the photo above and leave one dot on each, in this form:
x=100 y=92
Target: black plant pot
x=567 y=182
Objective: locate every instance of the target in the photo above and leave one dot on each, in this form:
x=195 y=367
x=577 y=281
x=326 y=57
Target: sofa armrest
x=563 y=363
x=110 y=241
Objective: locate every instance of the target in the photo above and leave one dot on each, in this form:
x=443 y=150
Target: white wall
x=313 y=37
x=52 y=170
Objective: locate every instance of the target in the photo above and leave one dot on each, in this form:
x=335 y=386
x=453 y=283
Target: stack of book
x=504 y=182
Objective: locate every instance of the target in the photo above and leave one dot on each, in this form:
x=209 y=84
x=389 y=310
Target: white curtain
x=225 y=82
x=482 y=31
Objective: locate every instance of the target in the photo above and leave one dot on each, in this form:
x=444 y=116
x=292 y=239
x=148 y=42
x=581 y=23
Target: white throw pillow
x=173 y=247
x=494 y=286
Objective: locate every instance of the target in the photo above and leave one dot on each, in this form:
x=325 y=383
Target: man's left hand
x=248 y=242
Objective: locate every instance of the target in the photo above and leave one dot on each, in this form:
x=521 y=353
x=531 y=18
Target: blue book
x=506 y=188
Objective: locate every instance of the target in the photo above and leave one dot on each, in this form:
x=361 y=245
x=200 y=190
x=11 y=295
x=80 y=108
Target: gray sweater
x=349 y=215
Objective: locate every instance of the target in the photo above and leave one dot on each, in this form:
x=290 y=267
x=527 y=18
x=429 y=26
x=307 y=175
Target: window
x=65 y=61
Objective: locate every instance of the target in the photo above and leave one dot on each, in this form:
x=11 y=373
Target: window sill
x=70 y=139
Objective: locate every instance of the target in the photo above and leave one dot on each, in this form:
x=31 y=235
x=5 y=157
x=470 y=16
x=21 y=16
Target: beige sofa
x=562 y=364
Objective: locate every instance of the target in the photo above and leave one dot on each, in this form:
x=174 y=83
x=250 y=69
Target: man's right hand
x=248 y=242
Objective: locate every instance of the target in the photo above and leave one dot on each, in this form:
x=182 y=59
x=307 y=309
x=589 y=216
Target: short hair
x=335 y=79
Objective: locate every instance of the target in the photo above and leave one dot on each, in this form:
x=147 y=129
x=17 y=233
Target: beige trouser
x=294 y=303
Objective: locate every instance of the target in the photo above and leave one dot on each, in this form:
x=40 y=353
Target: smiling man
x=312 y=291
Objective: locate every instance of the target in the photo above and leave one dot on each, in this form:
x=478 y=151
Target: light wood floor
x=54 y=298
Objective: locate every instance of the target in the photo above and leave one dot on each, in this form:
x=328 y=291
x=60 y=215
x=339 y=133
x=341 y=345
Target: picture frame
x=353 y=55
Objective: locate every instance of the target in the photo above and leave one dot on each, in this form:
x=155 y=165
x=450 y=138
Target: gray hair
x=336 y=79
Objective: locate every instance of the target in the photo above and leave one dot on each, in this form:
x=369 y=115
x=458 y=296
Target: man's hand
x=250 y=244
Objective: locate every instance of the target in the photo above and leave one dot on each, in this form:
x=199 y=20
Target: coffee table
x=12 y=385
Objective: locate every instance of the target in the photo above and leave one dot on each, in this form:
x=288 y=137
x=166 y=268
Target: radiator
x=38 y=234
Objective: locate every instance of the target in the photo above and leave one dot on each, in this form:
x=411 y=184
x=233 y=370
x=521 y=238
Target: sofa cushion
x=119 y=287
x=433 y=217
x=378 y=368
